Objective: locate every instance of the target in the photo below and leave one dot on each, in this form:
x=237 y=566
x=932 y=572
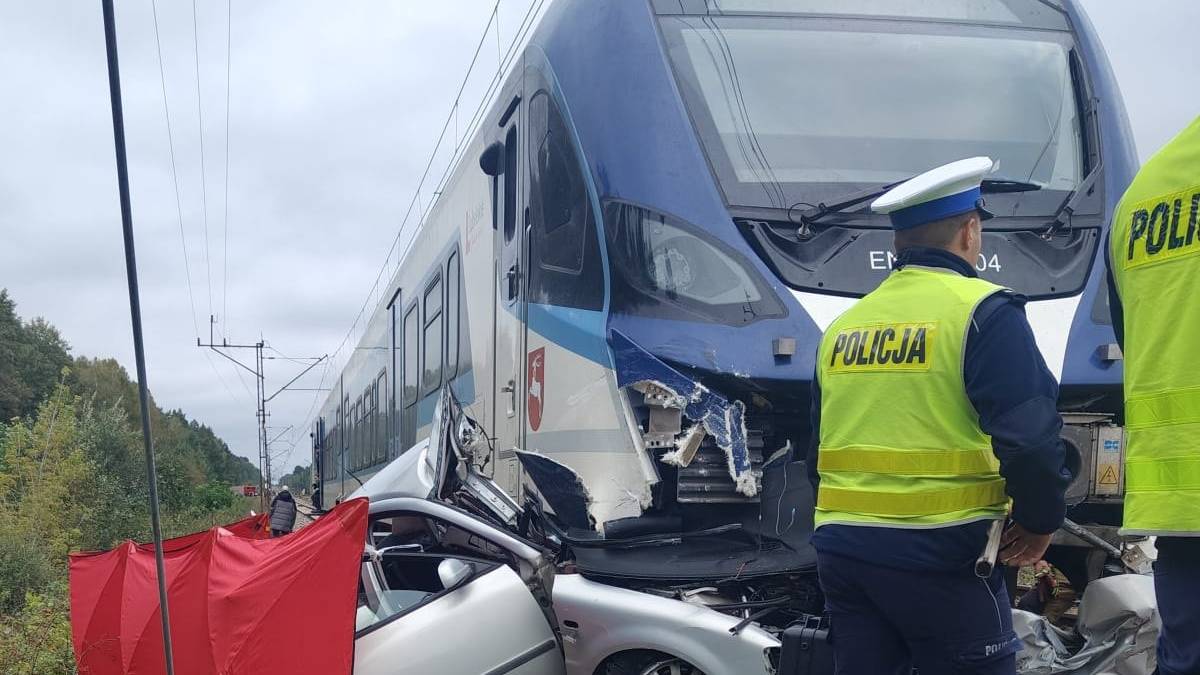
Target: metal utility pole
x=259 y=389
x=135 y=311
x=261 y=398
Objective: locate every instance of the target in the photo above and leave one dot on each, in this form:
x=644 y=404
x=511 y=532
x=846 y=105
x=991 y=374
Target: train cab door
x=509 y=215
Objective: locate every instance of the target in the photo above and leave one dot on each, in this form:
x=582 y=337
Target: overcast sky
x=334 y=109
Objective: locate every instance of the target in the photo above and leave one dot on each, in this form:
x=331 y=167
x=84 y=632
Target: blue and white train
x=664 y=208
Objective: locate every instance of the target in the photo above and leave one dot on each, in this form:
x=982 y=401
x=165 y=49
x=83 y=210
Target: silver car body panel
x=412 y=474
x=517 y=641
x=598 y=620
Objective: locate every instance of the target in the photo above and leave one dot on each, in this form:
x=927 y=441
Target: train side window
x=347 y=430
x=432 y=374
x=563 y=245
x=358 y=435
x=510 y=184
x=394 y=364
x=381 y=412
x=412 y=330
x=368 y=450
x=373 y=454
x=364 y=429
x=335 y=447
x=453 y=313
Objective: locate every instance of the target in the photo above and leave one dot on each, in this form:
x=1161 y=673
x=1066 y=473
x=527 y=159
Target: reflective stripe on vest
x=1154 y=256
x=1171 y=407
x=949 y=500
x=900 y=442
x=904 y=463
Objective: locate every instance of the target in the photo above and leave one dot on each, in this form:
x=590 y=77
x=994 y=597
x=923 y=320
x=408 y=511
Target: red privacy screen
x=239 y=601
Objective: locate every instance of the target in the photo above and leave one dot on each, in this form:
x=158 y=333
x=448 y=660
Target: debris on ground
x=1115 y=633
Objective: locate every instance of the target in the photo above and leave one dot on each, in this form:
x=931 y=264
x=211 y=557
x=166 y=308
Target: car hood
x=412 y=474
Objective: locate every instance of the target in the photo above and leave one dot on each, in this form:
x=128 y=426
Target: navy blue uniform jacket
x=1016 y=397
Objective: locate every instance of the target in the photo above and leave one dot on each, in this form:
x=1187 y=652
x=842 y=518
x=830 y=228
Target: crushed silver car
x=447 y=548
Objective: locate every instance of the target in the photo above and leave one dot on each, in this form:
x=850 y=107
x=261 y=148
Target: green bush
x=23 y=569
x=73 y=477
x=212 y=497
x=37 y=639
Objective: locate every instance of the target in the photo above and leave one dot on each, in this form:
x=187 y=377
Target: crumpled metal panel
x=1115 y=635
x=723 y=420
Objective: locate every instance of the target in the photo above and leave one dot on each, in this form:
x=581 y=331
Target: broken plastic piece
x=561 y=487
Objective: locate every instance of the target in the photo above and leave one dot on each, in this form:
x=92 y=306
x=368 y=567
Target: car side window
x=415 y=556
x=402 y=581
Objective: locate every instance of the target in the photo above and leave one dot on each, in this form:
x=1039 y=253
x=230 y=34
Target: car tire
x=646 y=662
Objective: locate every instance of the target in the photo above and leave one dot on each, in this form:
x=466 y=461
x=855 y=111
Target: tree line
x=72 y=478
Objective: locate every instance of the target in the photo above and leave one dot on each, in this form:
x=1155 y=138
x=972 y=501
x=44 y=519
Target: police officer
x=1154 y=274
x=932 y=407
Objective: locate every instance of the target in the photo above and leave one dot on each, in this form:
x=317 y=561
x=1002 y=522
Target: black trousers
x=887 y=621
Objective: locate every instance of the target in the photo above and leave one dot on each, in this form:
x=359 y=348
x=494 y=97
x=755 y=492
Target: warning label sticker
x=1109 y=477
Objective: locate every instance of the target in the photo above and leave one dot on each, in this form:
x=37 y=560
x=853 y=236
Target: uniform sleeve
x=814 y=438
x=1115 y=308
x=1016 y=397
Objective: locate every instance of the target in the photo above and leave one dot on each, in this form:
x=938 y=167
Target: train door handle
x=513 y=277
x=511 y=390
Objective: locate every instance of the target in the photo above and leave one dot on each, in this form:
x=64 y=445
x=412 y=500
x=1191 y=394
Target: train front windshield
x=794 y=109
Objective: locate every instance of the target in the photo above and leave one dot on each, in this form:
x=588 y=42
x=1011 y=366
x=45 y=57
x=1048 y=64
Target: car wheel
x=649 y=663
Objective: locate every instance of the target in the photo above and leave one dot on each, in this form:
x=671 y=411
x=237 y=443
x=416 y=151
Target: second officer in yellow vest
x=1154 y=272
x=932 y=408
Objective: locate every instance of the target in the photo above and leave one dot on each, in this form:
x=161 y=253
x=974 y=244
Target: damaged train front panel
x=668 y=395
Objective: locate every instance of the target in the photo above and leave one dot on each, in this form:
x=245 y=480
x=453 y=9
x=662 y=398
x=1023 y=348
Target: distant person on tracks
x=1153 y=274
x=932 y=408
x=283 y=513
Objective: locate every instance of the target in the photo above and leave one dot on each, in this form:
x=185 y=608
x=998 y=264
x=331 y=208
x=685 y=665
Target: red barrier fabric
x=239 y=602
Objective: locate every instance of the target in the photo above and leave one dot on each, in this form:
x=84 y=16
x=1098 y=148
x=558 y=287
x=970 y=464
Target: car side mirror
x=453 y=573
x=492 y=159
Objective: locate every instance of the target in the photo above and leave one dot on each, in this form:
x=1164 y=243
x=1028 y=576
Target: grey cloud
x=334 y=111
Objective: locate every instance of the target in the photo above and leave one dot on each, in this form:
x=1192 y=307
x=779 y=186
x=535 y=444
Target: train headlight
x=665 y=268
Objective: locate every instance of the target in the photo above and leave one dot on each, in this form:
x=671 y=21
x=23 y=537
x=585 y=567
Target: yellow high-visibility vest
x=1153 y=258
x=900 y=443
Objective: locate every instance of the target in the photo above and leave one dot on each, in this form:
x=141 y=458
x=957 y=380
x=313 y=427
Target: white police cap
x=949 y=190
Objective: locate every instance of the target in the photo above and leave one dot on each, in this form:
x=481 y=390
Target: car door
x=486 y=622
x=442 y=591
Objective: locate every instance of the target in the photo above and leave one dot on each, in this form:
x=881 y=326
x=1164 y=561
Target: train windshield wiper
x=1062 y=217
x=839 y=205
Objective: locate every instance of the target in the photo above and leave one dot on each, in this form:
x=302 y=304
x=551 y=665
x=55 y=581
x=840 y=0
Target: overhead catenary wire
x=421 y=182
x=203 y=171
x=493 y=86
x=225 y=198
x=187 y=267
x=162 y=78
x=504 y=59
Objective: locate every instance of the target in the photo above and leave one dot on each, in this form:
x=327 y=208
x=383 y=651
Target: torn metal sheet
x=685 y=447
x=725 y=421
x=561 y=487
x=659 y=394
x=1116 y=633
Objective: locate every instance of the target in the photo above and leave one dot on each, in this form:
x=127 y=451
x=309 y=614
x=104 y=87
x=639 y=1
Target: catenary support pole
x=135 y=310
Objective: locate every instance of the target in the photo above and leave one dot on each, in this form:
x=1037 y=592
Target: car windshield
x=795 y=109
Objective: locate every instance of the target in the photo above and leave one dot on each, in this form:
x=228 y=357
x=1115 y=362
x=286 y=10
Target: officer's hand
x=1020 y=547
